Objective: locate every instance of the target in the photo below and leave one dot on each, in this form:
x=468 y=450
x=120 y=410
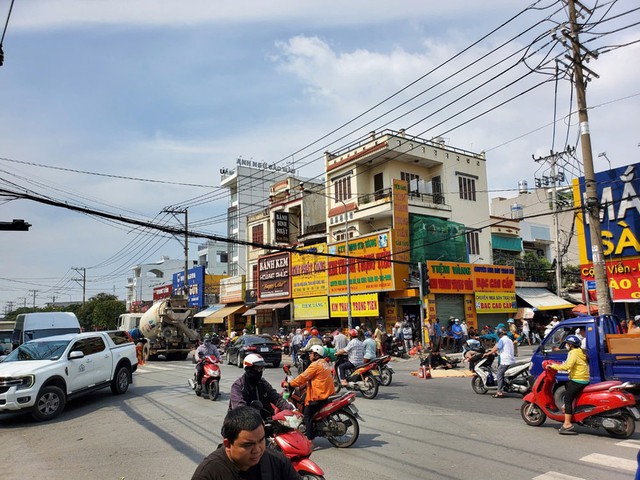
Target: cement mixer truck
x=166 y=327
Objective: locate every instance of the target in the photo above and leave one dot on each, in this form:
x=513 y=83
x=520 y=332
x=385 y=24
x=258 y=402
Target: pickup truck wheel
x=50 y=402
x=120 y=382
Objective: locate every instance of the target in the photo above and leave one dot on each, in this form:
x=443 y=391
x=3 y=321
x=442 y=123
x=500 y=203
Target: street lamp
x=346 y=249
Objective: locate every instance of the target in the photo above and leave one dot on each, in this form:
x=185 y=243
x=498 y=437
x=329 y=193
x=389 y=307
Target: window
x=467 y=188
x=257 y=234
x=89 y=346
x=412 y=180
x=473 y=243
x=342 y=188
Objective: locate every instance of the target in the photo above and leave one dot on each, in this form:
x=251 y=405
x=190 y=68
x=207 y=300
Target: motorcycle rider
x=206 y=349
x=251 y=386
x=296 y=344
x=504 y=347
x=319 y=383
x=355 y=352
x=578 y=368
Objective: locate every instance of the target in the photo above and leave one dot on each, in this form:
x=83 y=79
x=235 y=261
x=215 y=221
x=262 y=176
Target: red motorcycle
x=283 y=434
x=604 y=404
x=337 y=421
x=210 y=379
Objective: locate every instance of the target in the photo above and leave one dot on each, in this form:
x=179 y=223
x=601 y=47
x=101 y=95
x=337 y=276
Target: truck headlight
x=20 y=383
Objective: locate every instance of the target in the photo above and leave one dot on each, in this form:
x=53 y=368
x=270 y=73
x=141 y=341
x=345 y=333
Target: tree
x=101 y=312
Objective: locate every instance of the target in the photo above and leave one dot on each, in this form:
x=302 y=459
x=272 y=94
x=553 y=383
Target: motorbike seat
x=519 y=364
x=601 y=386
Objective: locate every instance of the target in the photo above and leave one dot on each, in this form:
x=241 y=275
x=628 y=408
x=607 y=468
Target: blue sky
x=174 y=92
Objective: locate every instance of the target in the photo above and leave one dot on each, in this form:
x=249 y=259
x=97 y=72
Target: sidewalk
x=524 y=353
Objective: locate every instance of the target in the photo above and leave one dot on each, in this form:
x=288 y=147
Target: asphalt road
x=415 y=429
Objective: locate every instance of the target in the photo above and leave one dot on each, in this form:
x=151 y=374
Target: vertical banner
x=401 y=251
x=282 y=227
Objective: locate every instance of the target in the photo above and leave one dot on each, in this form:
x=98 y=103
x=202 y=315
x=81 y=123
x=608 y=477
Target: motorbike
x=516 y=379
x=210 y=379
x=337 y=421
x=283 y=434
x=384 y=369
x=604 y=404
x=286 y=347
x=395 y=347
x=362 y=379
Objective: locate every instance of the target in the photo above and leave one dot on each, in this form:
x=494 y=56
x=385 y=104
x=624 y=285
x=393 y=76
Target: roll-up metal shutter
x=449 y=306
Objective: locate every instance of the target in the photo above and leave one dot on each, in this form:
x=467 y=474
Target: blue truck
x=612 y=355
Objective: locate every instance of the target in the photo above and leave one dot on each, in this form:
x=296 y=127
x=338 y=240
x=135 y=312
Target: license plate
x=264 y=349
x=634 y=411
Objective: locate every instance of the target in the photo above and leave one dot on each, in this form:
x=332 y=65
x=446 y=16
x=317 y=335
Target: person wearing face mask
x=251 y=386
x=206 y=349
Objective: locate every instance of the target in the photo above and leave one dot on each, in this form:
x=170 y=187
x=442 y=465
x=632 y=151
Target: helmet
x=253 y=360
x=501 y=331
x=367 y=334
x=318 y=349
x=298 y=330
x=510 y=320
x=573 y=340
x=314 y=332
x=353 y=333
x=306 y=332
x=207 y=337
x=456 y=320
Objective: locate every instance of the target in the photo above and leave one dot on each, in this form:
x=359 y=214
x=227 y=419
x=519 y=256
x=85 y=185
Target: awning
x=219 y=316
x=208 y=311
x=251 y=311
x=542 y=299
x=512 y=244
x=271 y=306
x=524 y=314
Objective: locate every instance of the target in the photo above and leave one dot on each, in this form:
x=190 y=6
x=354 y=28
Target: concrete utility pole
x=553 y=160
x=592 y=206
x=83 y=279
x=34 y=297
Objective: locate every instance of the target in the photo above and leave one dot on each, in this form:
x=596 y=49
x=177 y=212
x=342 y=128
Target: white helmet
x=318 y=349
x=253 y=360
x=306 y=332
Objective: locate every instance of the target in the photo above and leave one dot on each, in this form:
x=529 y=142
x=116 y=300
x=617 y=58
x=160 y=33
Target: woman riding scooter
x=578 y=368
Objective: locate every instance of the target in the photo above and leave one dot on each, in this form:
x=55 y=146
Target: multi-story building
x=415 y=200
x=533 y=209
x=248 y=185
x=214 y=257
x=148 y=276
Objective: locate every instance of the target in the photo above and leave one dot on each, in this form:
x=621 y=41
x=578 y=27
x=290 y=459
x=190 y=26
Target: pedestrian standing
x=436 y=343
x=525 y=330
x=407 y=336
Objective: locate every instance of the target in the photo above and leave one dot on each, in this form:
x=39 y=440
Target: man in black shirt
x=243 y=454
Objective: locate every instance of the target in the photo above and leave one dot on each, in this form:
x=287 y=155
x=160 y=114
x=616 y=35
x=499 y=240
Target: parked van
x=6 y=333
x=30 y=326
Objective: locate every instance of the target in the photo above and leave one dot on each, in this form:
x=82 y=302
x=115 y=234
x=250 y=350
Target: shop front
x=451 y=296
x=495 y=297
x=309 y=286
x=273 y=310
x=232 y=292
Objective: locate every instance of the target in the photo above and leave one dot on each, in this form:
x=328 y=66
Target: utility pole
x=555 y=178
x=592 y=206
x=83 y=279
x=34 y=297
x=186 y=244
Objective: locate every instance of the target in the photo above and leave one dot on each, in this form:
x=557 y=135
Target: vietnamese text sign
x=494 y=278
x=232 y=289
x=363 y=305
x=623 y=278
x=273 y=276
x=311 y=308
x=309 y=272
x=401 y=247
x=370 y=266
x=495 y=302
x=282 y=227
x=449 y=277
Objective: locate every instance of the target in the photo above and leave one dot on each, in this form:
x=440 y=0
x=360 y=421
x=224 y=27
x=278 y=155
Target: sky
x=130 y=108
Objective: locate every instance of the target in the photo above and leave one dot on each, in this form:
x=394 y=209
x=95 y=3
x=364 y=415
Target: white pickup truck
x=40 y=376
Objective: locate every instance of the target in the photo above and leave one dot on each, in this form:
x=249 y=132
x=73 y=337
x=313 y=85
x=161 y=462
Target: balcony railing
x=385 y=194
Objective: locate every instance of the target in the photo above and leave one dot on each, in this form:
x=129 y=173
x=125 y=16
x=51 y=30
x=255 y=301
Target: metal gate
x=449 y=306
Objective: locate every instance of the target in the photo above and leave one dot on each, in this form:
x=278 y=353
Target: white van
x=30 y=326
